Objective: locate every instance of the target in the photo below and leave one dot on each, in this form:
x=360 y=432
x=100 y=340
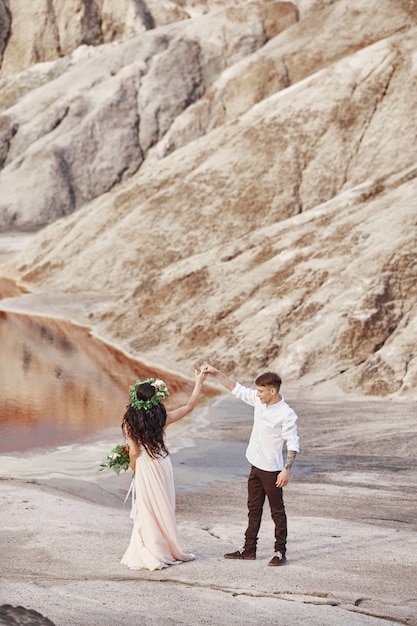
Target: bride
x=154 y=543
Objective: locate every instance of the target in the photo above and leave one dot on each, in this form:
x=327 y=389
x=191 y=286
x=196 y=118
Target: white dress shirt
x=273 y=426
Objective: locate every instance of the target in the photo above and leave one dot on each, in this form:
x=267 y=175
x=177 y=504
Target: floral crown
x=161 y=391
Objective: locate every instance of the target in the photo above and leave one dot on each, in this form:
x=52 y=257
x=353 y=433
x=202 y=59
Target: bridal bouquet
x=118 y=459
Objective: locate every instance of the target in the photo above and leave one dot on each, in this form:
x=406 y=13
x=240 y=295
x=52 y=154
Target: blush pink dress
x=154 y=543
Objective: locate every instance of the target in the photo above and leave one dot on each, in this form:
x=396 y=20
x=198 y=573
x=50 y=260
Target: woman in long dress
x=154 y=543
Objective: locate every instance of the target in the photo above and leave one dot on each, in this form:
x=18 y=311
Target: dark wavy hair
x=146 y=427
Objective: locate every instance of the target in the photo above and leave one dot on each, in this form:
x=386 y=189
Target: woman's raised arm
x=182 y=411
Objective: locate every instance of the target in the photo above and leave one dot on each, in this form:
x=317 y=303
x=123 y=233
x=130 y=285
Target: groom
x=274 y=424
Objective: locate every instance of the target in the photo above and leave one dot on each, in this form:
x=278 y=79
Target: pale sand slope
x=352 y=520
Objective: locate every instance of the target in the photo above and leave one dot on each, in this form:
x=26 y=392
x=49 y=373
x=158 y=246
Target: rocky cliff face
x=76 y=127
x=235 y=180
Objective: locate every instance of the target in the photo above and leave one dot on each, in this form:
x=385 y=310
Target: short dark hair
x=269 y=379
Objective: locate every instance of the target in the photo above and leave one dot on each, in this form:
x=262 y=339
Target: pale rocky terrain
x=231 y=181
x=217 y=180
x=352 y=529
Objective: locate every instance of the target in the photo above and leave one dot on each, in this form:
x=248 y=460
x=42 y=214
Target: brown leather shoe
x=277 y=559
x=242 y=553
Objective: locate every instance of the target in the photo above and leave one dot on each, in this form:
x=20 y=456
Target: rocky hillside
x=233 y=181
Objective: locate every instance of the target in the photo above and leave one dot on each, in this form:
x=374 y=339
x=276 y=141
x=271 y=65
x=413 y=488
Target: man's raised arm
x=222 y=378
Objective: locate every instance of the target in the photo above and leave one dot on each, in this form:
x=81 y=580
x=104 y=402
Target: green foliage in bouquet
x=118 y=459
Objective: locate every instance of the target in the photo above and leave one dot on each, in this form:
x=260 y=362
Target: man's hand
x=283 y=478
x=284 y=475
x=200 y=375
x=227 y=382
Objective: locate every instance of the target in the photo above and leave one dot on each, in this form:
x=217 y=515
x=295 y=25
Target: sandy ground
x=352 y=550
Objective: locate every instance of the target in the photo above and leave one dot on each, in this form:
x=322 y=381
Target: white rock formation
x=241 y=184
x=86 y=123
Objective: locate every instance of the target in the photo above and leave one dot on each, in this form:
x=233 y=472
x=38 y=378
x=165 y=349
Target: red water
x=59 y=384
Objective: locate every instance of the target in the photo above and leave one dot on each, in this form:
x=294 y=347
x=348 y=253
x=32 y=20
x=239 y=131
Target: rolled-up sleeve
x=245 y=394
x=289 y=431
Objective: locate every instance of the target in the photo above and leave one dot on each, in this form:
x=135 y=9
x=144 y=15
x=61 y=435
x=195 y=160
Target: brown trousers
x=261 y=484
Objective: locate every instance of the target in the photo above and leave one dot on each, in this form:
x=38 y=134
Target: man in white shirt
x=274 y=424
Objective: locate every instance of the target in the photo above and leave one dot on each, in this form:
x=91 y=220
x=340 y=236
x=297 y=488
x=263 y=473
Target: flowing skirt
x=154 y=543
